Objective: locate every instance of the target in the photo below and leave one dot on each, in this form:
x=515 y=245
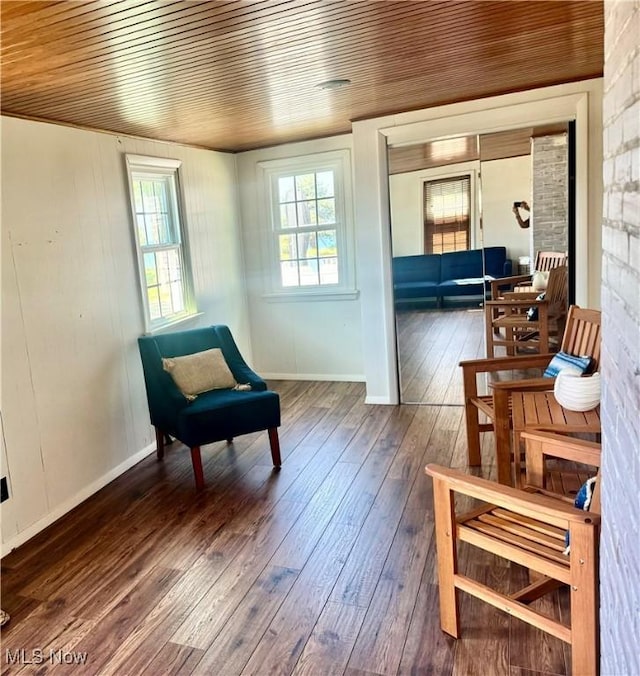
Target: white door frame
x=579 y=101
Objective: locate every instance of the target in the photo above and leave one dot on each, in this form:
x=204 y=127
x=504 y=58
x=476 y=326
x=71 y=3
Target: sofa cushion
x=461 y=265
x=421 y=268
x=494 y=261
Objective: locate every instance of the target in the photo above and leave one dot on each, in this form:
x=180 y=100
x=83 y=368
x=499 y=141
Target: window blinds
x=447 y=218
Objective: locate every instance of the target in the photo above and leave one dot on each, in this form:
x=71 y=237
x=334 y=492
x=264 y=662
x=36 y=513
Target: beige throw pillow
x=200 y=372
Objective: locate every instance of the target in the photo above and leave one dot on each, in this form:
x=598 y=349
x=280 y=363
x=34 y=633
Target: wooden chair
x=526 y=527
x=581 y=337
x=508 y=325
x=545 y=262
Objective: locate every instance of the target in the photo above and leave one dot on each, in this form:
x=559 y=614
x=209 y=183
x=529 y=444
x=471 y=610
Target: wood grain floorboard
x=328 y=649
x=173 y=660
x=549 y=655
x=234 y=645
x=209 y=615
x=485 y=651
x=327 y=567
x=381 y=640
x=289 y=631
x=148 y=638
x=427 y=650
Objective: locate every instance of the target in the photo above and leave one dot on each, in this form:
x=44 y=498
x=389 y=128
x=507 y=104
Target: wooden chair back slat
x=582 y=334
x=547 y=260
x=556 y=293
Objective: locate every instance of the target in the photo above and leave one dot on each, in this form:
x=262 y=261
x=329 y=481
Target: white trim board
x=384 y=401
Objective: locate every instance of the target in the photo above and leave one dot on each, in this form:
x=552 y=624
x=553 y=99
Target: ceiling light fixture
x=334 y=84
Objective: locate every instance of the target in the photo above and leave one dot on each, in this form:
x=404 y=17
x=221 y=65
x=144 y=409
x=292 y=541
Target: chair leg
x=544 y=338
x=510 y=337
x=472 y=420
x=501 y=427
x=274 y=442
x=159 y=443
x=489 y=330
x=447 y=557
x=196 y=461
x=584 y=600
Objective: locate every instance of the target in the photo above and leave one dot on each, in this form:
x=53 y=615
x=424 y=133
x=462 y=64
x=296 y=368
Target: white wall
x=73 y=401
x=301 y=338
x=503 y=183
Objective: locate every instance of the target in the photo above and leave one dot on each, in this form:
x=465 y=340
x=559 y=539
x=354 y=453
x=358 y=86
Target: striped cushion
x=563 y=360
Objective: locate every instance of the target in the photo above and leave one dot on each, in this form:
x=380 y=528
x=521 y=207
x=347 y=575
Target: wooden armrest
x=514 y=279
x=525 y=302
x=559 y=446
x=520 y=295
x=540 y=507
x=493 y=364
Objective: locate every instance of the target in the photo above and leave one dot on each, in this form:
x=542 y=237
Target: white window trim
x=340 y=162
x=162 y=166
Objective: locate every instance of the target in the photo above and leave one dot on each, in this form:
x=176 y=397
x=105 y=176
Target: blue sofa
x=458 y=273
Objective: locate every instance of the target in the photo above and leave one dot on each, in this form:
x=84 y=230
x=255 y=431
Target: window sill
x=174 y=324
x=311 y=296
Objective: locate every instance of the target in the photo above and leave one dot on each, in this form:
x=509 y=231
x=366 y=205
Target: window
x=165 y=275
x=310 y=230
x=447 y=215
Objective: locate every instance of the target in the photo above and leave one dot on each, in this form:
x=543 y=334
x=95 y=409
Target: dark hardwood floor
x=431 y=343
x=327 y=567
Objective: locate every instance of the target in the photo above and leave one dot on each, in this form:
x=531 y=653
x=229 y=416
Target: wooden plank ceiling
x=240 y=75
x=485 y=147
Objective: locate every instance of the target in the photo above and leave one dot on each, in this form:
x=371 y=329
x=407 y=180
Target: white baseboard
x=80 y=496
x=380 y=400
x=341 y=378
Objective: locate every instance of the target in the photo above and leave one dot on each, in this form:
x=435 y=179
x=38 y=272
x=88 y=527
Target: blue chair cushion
x=222 y=414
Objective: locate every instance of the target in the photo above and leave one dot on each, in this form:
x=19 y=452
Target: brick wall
x=549 y=172
x=620 y=543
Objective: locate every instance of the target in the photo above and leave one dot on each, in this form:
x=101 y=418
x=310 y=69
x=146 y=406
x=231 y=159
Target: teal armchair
x=213 y=416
